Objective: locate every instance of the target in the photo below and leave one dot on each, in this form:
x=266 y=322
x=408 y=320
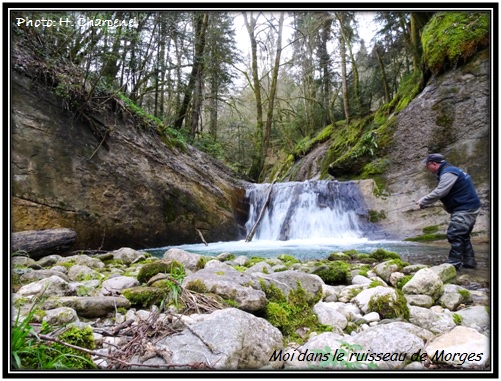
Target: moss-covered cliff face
x=110 y=179
x=451 y=115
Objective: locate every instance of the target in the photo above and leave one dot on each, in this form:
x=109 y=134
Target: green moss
x=197 y=286
x=465 y=294
x=350 y=252
x=338 y=257
x=288 y=259
x=451 y=38
x=80 y=337
x=290 y=313
x=403 y=281
x=375 y=283
x=157 y=267
x=145 y=296
x=202 y=261
x=426 y=237
x=253 y=260
x=401 y=264
x=334 y=273
x=430 y=229
x=231 y=303
x=389 y=308
x=364 y=269
x=383 y=255
x=458 y=319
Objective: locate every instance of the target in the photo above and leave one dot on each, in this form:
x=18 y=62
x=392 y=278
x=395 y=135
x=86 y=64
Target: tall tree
x=257 y=158
x=344 y=76
x=200 y=27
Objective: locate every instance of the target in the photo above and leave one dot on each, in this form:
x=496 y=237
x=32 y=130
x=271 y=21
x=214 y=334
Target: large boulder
x=462 y=346
x=226 y=339
x=225 y=281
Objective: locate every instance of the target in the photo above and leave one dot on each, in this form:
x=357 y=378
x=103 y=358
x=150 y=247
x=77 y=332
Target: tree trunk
x=273 y=90
x=257 y=157
x=387 y=98
x=201 y=22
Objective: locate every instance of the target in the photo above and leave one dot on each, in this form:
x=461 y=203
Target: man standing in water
x=456 y=191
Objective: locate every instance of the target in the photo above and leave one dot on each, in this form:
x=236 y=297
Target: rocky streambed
x=186 y=311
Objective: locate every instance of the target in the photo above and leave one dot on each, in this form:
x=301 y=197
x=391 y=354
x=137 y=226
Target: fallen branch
x=201 y=236
x=253 y=230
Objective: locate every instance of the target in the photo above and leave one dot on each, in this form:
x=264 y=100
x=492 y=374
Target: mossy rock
x=292 y=312
x=145 y=296
x=452 y=38
x=197 y=286
x=388 y=307
x=383 y=255
x=338 y=257
x=334 y=273
x=161 y=266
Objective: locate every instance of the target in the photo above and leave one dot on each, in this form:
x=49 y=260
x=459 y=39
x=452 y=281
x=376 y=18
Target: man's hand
x=421 y=206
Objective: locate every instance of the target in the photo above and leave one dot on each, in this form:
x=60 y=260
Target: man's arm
x=447 y=180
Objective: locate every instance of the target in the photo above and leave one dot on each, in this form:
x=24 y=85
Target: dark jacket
x=462 y=195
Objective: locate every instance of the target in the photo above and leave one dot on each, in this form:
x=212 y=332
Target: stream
x=311 y=219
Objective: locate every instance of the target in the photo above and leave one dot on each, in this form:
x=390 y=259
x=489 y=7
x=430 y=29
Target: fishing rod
x=412 y=210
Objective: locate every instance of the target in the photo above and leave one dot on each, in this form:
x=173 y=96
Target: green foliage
x=451 y=38
x=29 y=351
x=208 y=144
x=383 y=255
x=253 y=260
x=389 y=308
x=170 y=136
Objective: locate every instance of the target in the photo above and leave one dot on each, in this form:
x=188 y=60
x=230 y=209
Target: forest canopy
x=251 y=88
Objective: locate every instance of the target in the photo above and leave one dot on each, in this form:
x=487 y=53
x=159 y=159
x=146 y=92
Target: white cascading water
x=307 y=210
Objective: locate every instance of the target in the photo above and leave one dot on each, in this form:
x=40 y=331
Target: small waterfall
x=308 y=210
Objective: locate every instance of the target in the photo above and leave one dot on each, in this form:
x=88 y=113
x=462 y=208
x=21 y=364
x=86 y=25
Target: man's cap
x=435 y=157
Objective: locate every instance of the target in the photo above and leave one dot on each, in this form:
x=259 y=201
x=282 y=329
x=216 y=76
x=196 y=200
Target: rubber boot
x=469 y=256
x=456 y=253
